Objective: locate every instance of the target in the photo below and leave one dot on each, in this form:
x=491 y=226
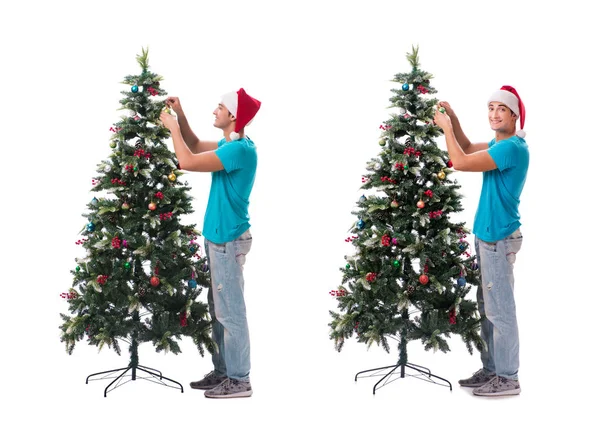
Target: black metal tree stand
x=400 y=368
x=123 y=376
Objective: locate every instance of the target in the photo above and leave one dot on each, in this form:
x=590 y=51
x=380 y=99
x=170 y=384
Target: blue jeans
x=227 y=307
x=496 y=303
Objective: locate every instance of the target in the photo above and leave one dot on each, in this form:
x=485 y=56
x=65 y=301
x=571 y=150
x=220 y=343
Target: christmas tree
x=142 y=272
x=412 y=267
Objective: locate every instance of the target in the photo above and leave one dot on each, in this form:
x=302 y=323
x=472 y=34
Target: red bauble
x=449 y=164
x=154 y=281
x=151 y=206
x=423 y=279
x=420 y=204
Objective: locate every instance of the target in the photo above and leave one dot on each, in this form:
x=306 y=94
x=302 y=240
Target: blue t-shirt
x=498 y=211
x=226 y=215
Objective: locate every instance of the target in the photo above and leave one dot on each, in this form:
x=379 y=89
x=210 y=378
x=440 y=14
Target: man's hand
x=448 y=108
x=175 y=104
x=169 y=121
x=442 y=119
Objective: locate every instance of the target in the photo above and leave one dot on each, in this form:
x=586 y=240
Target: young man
x=232 y=162
x=504 y=162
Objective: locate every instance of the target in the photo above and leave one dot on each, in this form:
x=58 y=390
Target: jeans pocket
x=512 y=244
x=218 y=248
x=242 y=248
x=489 y=246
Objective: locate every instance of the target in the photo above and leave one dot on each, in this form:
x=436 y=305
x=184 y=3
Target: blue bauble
x=134 y=89
x=91 y=227
x=462 y=246
x=192 y=284
x=362 y=198
x=405 y=86
x=462 y=281
x=94 y=201
x=193 y=248
x=360 y=224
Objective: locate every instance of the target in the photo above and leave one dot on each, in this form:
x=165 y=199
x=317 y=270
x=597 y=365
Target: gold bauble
x=441 y=175
x=172 y=177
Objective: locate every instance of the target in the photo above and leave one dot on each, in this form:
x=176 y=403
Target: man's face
x=501 y=118
x=223 y=117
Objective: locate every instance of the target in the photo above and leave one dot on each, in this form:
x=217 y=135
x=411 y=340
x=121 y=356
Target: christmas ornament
x=382 y=142
x=441 y=175
x=154 y=281
x=394 y=241
x=125 y=206
x=94 y=201
x=452 y=316
x=385 y=240
x=442 y=110
x=347 y=266
x=101 y=279
x=449 y=163
x=172 y=176
x=420 y=204
x=396 y=263
x=428 y=193
x=362 y=198
x=124 y=243
x=159 y=195
x=394 y=204
x=192 y=284
x=90 y=227
x=127 y=265
x=423 y=279
x=371 y=276
x=77 y=268
x=151 y=206
x=462 y=246
x=183 y=319
x=462 y=281
x=360 y=224
x=113 y=145
x=405 y=86
x=134 y=89
x=377 y=166
x=116 y=242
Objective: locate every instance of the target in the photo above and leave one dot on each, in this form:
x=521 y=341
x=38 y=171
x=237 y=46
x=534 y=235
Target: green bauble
x=396 y=263
x=77 y=268
x=127 y=265
x=347 y=266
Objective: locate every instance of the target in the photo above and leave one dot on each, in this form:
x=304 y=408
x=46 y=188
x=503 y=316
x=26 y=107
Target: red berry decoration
x=371 y=276
x=101 y=279
x=159 y=195
x=452 y=316
x=154 y=281
x=385 y=240
x=420 y=204
x=423 y=279
x=116 y=242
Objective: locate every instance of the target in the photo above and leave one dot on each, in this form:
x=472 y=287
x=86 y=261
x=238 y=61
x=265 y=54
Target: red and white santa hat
x=243 y=107
x=509 y=96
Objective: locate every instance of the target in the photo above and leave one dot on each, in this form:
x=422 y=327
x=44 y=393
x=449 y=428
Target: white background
x=322 y=70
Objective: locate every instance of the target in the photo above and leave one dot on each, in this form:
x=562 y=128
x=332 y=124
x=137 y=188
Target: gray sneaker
x=498 y=386
x=478 y=379
x=230 y=388
x=209 y=381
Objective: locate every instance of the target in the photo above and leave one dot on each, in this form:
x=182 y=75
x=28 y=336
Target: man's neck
x=504 y=135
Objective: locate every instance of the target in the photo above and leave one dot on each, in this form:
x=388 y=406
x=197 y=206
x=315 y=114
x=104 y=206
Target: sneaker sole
x=472 y=385
x=499 y=394
x=234 y=395
x=203 y=388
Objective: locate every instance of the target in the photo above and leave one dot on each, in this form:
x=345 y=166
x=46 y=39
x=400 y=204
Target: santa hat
x=509 y=96
x=242 y=107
